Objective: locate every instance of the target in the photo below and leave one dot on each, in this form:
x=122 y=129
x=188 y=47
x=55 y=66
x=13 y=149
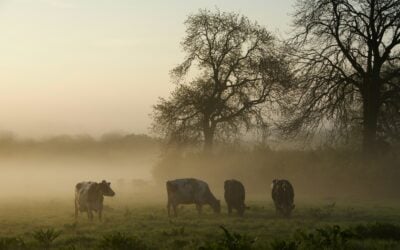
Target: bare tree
x=346 y=52
x=238 y=70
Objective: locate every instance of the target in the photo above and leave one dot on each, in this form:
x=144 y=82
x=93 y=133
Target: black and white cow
x=89 y=197
x=283 y=196
x=190 y=191
x=235 y=196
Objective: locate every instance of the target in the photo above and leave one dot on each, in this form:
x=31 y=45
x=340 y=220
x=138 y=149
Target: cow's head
x=106 y=188
x=216 y=206
x=274 y=181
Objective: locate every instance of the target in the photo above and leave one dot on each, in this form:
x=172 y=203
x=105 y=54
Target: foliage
x=347 y=67
x=231 y=241
x=121 y=241
x=378 y=230
x=45 y=237
x=330 y=237
x=12 y=243
x=279 y=244
x=240 y=69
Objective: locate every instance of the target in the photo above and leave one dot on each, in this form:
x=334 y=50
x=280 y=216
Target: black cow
x=283 y=196
x=235 y=196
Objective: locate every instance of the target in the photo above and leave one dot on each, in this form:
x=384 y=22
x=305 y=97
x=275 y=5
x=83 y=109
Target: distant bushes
x=323 y=172
x=80 y=145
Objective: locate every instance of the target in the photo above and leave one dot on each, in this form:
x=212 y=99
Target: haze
x=89 y=67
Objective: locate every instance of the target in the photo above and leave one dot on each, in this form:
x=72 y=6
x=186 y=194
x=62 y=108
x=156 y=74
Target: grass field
x=146 y=225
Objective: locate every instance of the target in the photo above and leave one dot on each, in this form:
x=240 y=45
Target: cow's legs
x=76 y=211
x=199 y=208
x=174 y=206
x=100 y=213
x=169 y=208
x=90 y=214
x=229 y=209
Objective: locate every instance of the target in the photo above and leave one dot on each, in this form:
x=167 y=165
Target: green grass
x=147 y=225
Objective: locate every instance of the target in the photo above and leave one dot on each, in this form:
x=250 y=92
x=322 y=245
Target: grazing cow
x=89 y=197
x=283 y=196
x=190 y=191
x=235 y=196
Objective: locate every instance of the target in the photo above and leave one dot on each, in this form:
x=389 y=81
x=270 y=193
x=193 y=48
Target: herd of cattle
x=89 y=196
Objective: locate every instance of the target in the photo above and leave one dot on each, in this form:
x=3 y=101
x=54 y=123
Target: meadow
x=342 y=201
x=131 y=224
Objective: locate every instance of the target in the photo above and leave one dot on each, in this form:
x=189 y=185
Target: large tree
x=346 y=53
x=236 y=69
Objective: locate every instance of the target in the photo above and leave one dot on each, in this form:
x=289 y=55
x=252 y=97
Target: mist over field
x=50 y=168
x=138 y=167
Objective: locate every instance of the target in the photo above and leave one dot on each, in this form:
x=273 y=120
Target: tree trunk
x=208 y=140
x=370 y=115
x=208 y=131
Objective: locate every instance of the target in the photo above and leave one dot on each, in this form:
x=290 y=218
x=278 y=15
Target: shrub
x=382 y=231
x=284 y=245
x=46 y=237
x=230 y=241
x=79 y=241
x=121 y=241
x=330 y=237
x=12 y=243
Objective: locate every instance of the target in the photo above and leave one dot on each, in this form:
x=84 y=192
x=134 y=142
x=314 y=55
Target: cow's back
x=85 y=194
x=234 y=192
x=186 y=191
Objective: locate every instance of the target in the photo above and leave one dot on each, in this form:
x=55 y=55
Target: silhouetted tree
x=238 y=69
x=346 y=53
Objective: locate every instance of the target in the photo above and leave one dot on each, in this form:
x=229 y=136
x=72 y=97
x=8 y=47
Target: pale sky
x=95 y=66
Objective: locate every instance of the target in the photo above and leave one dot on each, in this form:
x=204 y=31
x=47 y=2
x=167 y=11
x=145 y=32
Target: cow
x=89 y=197
x=235 y=196
x=190 y=191
x=283 y=196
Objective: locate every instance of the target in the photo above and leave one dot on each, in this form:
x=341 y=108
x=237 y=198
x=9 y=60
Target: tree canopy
x=237 y=69
x=347 y=61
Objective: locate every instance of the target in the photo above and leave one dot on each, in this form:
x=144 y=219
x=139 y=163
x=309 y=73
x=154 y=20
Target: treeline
x=324 y=172
x=78 y=145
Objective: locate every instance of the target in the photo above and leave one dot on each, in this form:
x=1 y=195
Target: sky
x=98 y=66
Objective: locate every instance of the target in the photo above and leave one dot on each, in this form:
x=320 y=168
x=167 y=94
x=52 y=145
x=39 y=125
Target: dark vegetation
x=333 y=237
x=77 y=146
x=336 y=173
x=347 y=68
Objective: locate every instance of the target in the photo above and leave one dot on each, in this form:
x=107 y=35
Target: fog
x=138 y=166
x=50 y=168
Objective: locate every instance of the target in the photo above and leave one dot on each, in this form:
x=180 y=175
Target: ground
x=148 y=221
